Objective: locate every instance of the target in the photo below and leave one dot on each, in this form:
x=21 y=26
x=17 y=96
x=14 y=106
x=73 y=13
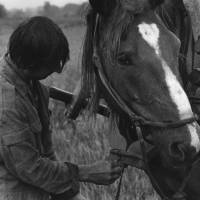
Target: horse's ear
x=155 y=3
x=103 y=7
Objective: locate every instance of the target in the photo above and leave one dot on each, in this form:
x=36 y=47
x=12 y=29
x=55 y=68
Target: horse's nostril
x=181 y=153
x=177 y=152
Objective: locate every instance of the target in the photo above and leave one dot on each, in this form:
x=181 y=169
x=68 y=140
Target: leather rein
x=138 y=122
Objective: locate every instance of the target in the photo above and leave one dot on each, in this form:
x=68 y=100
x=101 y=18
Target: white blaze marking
x=151 y=34
x=177 y=93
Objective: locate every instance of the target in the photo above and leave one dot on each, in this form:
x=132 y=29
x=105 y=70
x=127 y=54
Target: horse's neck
x=177 y=20
x=172 y=13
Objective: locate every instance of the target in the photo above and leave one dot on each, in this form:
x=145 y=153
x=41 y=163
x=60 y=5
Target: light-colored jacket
x=28 y=166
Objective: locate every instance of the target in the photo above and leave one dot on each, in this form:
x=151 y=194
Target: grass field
x=79 y=141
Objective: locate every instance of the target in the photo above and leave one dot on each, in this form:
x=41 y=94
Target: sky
x=23 y=4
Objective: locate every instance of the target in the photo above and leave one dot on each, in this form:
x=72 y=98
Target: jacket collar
x=11 y=73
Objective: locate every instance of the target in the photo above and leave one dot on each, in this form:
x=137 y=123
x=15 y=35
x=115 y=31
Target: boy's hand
x=101 y=173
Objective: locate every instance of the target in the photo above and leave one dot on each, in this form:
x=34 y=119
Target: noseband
x=139 y=122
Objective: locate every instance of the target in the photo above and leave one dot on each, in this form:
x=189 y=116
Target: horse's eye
x=124 y=59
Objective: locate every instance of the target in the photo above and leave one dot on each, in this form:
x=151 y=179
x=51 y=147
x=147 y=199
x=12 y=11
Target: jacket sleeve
x=47 y=134
x=20 y=154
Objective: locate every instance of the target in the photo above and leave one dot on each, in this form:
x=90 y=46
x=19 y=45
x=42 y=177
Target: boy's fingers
x=117 y=170
x=115 y=176
x=117 y=164
x=114 y=164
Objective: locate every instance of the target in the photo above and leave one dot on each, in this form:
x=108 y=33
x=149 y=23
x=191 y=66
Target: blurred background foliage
x=68 y=15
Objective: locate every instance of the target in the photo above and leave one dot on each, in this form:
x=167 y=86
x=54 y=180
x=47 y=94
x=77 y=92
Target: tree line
x=70 y=13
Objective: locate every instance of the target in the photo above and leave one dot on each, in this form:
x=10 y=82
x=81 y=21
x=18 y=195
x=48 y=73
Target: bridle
x=139 y=122
x=135 y=119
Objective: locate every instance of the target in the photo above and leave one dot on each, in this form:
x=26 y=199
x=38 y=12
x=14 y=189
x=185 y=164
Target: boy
x=29 y=169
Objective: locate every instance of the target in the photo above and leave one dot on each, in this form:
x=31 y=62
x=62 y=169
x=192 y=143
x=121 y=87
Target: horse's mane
x=107 y=49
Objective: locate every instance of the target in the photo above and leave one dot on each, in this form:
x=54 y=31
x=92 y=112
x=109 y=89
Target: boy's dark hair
x=38 y=42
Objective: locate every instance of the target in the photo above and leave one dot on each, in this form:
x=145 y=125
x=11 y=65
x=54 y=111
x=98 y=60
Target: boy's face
x=42 y=72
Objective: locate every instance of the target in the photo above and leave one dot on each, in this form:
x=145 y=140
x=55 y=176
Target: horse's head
x=138 y=62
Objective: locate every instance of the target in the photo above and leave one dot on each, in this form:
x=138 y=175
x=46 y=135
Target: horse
x=135 y=57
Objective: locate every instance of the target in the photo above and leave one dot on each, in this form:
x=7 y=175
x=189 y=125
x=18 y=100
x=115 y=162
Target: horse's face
x=145 y=73
x=140 y=61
